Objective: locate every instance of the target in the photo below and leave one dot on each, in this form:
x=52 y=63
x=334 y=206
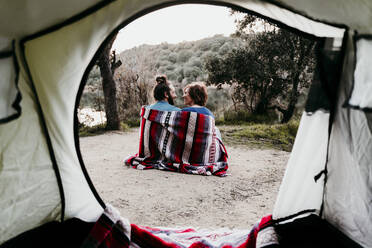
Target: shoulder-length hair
x=197 y=92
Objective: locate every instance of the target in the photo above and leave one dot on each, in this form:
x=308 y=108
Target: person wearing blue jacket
x=164 y=94
x=195 y=97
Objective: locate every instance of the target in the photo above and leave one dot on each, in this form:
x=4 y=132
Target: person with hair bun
x=164 y=94
x=195 y=98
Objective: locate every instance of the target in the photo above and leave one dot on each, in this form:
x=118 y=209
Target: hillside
x=182 y=63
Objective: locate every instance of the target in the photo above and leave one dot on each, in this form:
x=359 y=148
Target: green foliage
x=243 y=116
x=277 y=136
x=182 y=63
x=219 y=100
x=91 y=131
x=85 y=131
x=269 y=70
x=184 y=56
x=92 y=96
x=124 y=127
x=133 y=122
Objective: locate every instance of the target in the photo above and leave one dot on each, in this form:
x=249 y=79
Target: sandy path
x=161 y=198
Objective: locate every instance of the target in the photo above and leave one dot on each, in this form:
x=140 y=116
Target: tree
x=134 y=81
x=269 y=70
x=108 y=64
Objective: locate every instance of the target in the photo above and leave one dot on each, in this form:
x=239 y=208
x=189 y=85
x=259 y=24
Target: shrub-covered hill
x=181 y=62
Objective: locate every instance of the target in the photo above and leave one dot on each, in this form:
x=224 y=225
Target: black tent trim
x=46 y=133
x=69 y=21
x=16 y=104
x=347 y=104
x=6 y=54
x=292 y=216
x=76 y=133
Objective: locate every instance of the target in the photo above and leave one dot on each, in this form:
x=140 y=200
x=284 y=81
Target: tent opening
x=259 y=78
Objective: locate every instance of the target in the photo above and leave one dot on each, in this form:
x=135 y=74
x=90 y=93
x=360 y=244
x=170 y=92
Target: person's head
x=195 y=94
x=164 y=90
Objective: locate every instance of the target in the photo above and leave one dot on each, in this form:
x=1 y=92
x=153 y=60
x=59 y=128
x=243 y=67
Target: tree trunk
x=109 y=87
x=288 y=113
x=261 y=107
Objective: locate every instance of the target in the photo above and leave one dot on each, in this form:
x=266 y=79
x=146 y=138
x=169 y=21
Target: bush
x=132 y=122
x=91 y=131
x=124 y=126
x=241 y=116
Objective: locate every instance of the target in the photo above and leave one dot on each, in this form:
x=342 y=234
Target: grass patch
x=85 y=131
x=133 y=122
x=276 y=136
x=245 y=117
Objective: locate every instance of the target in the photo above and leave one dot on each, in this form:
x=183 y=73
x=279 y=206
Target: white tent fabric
x=52 y=64
x=292 y=19
x=362 y=92
x=52 y=59
x=356 y=14
x=29 y=194
x=299 y=191
x=21 y=18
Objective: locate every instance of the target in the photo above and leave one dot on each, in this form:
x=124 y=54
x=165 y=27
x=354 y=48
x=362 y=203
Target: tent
x=47 y=47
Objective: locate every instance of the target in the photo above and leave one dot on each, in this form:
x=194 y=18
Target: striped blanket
x=179 y=141
x=113 y=231
x=262 y=235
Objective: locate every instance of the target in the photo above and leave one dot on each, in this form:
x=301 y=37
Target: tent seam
x=69 y=21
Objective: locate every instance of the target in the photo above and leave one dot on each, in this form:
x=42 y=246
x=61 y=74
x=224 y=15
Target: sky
x=186 y=22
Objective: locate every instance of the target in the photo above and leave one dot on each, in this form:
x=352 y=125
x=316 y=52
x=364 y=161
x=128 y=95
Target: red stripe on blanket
x=153 y=114
x=143 y=109
x=181 y=137
x=153 y=142
x=141 y=148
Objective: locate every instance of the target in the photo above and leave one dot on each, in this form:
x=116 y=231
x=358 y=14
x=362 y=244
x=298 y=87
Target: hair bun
x=161 y=79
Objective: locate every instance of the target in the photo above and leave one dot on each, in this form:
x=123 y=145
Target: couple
x=182 y=140
x=194 y=95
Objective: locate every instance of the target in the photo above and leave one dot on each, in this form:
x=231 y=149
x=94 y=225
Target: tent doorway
x=256 y=161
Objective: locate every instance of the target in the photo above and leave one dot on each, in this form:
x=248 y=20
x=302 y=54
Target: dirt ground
x=169 y=199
